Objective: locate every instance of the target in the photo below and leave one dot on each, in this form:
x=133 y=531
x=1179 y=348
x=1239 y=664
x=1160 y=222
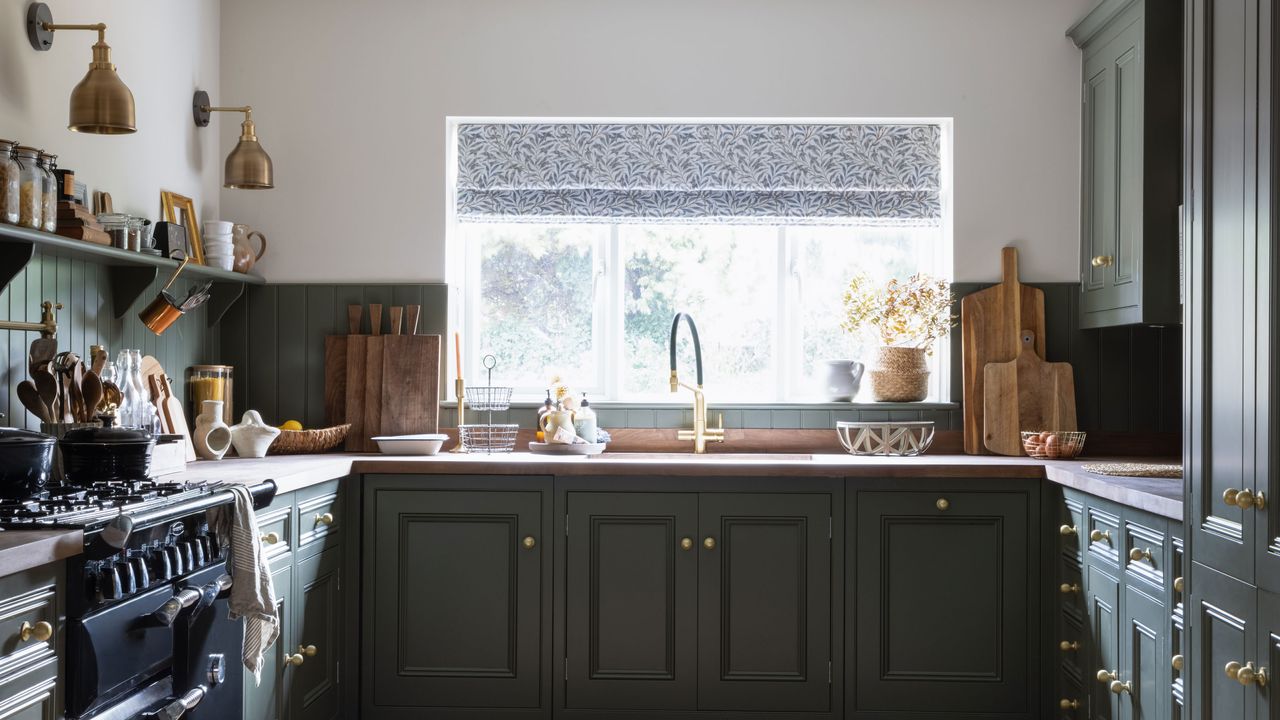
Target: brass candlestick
x=460 y=392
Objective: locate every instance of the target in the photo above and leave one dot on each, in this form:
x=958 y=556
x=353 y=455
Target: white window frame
x=462 y=273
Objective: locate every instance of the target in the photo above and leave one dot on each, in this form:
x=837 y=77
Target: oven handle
x=180 y=706
x=169 y=611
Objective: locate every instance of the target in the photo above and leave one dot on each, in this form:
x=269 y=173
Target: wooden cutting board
x=990 y=323
x=1026 y=393
x=175 y=417
x=372 y=387
x=335 y=369
x=410 y=401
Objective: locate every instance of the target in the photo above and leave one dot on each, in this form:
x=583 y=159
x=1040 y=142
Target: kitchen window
x=586 y=288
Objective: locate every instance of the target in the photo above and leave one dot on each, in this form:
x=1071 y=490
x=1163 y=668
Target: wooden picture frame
x=181 y=210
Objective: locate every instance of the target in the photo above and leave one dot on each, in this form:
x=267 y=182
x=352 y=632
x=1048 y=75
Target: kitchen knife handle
x=397 y=312
x=354 y=312
x=412 y=311
x=375 y=318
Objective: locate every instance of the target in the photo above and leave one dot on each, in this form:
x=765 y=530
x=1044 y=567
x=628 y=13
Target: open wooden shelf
x=130 y=272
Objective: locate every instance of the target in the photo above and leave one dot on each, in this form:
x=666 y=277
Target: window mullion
x=615 y=317
x=783 y=353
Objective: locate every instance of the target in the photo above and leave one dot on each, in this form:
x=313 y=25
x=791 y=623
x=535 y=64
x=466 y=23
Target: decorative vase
x=244 y=258
x=251 y=437
x=900 y=375
x=844 y=378
x=212 y=437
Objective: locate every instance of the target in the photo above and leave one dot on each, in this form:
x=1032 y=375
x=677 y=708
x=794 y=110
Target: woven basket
x=900 y=375
x=301 y=442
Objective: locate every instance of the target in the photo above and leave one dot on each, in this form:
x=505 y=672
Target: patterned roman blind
x=774 y=173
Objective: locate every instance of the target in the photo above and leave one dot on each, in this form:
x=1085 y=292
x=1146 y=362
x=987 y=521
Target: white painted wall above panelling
x=351 y=100
x=163 y=51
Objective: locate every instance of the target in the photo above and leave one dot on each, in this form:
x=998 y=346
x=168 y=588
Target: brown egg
x=1045 y=436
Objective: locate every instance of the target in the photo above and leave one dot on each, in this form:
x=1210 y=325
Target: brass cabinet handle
x=686 y=543
x=529 y=542
x=1067 y=530
x=1247 y=674
x=1179 y=584
x=1067 y=704
x=296 y=659
x=1118 y=687
x=1138 y=554
x=39 y=632
x=307 y=650
x=1106 y=676
x=942 y=504
x=325 y=519
x=1177 y=662
x=1069 y=646
x=1066 y=589
x=271 y=538
x=1244 y=499
x=709 y=543
x=1103 y=261
x=1100 y=535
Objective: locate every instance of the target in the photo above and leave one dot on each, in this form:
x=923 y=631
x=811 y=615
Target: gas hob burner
x=92 y=506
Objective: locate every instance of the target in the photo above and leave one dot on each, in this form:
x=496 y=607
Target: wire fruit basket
x=488 y=437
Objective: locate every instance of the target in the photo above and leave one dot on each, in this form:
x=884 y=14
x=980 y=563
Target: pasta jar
x=30 y=187
x=49 y=198
x=210 y=382
x=9 y=171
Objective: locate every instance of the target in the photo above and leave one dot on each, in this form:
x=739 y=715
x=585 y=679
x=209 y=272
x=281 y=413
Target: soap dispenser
x=584 y=421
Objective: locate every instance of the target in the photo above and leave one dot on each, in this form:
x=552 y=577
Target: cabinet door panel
x=1223 y=624
x=942 y=603
x=318 y=622
x=631 y=602
x=1146 y=662
x=1102 y=606
x=1100 y=197
x=764 y=599
x=265 y=700
x=456 y=598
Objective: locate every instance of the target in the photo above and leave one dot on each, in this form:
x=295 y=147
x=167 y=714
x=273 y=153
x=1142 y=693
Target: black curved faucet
x=700 y=434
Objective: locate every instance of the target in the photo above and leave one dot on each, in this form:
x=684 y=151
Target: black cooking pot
x=99 y=454
x=26 y=461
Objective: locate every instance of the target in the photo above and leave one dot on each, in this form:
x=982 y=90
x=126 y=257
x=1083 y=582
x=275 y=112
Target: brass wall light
x=101 y=103
x=248 y=166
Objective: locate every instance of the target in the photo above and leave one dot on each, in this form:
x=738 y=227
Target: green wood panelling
x=87 y=319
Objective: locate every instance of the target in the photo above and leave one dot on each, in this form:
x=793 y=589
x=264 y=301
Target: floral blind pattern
x=878 y=174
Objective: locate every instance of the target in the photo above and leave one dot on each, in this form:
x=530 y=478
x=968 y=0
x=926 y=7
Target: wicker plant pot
x=900 y=375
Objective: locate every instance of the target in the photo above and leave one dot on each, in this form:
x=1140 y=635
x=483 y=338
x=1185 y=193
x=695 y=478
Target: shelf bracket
x=14 y=256
x=128 y=282
x=222 y=297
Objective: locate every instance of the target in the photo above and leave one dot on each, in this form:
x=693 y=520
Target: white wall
x=351 y=100
x=163 y=50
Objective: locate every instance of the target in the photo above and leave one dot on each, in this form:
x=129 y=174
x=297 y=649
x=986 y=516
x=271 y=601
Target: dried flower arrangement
x=911 y=313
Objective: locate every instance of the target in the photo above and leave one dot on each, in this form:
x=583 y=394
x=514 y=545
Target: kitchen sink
x=733 y=457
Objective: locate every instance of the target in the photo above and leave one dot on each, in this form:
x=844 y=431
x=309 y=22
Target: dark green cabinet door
x=764 y=602
x=265 y=700
x=1102 y=608
x=1223 y=627
x=944 y=609
x=631 y=602
x=453 y=599
x=1268 y=654
x=319 y=621
x=1145 y=674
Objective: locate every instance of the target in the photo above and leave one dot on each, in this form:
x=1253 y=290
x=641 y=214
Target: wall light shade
x=248 y=166
x=101 y=103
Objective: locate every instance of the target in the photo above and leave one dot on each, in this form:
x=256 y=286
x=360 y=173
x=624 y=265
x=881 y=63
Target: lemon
x=291 y=425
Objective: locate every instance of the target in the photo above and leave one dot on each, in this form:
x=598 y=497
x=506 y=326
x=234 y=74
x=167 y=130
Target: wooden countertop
x=24 y=549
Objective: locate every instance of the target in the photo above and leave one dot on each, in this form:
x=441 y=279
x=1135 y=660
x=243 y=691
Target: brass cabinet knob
x=709 y=543
x=1179 y=584
x=1066 y=589
x=1100 y=536
x=296 y=659
x=1177 y=662
x=1067 y=704
x=1106 y=676
x=1118 y=687
x=271 y=538
x=1067 y=530
x=529 y=543
x=1244 y=499
x=942 y=504
x=1247 y=674
x=307 y=650
x=1138 y=554
x=686 y=543
x=1069 y=646
x=325 y=519
x=1103 y=261
x=39 y=632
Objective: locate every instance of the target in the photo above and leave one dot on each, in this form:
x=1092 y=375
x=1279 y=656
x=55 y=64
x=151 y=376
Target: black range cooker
x=147 y=629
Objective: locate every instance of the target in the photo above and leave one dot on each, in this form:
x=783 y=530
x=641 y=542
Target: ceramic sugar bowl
x=211 y=436
x=251 y=436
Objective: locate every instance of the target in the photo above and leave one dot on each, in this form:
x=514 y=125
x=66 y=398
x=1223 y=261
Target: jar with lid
x=9 y=172
x=49 y=198
x=210 y=382
x=117 y=226
x=30 y=187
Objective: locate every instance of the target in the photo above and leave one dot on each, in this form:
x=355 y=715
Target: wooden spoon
x=30 y=398
x=42 y=351
x=91 y=389
x=47 y=387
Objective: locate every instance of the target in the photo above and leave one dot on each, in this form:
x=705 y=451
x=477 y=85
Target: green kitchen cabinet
x=30 y=672
x=1130 y=163
x=315 y=652
x=265 y=698
x=1225 y=629
x=456 y=597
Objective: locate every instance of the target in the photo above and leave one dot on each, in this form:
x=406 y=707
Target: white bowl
x=222 y=262
x=218 y=227
x=427 y=444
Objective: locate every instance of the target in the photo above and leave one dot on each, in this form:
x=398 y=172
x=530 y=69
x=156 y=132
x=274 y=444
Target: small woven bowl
x=1053 y=444
x=301 y=442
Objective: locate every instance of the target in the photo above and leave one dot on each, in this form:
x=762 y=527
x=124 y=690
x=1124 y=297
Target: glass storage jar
x=210 y=382
x=48 y=198
x=30 y=187
x=9 y=171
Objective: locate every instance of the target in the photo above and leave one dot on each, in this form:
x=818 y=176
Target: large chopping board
x=1026 y=393
x=990 y=323
x=410 y=385
x=335 y=368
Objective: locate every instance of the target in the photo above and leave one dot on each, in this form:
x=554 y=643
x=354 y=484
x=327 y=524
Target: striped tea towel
x=252 y=595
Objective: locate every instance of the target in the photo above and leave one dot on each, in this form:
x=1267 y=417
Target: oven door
x=208 y=652
x=115 y=651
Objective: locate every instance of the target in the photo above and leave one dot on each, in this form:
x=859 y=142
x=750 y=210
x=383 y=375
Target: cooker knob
x=188 y=557
x=109 y=581
x=176 y=566
x=124 y=570
x=93 y=581
x=141 y=573
x=197 y=552
x=209 y=546
x=160 y=564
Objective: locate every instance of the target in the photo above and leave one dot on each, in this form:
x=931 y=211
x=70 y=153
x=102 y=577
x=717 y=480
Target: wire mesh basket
x=489 y=438
x=492 y=398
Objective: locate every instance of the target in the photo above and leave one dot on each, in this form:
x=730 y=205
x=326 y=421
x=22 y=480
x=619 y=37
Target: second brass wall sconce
x=248 y=166
x=101 y=103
